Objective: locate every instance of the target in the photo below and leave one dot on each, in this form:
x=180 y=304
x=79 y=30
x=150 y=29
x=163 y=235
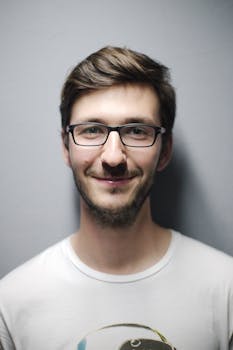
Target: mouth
x=114 y=181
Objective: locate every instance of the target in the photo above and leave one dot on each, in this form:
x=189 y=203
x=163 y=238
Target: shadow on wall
x=178 y=201
x=167 y=192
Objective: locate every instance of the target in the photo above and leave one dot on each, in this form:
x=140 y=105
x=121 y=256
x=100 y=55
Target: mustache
x=114 y=172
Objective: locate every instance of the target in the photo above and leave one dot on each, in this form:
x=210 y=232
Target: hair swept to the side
x=114 y=65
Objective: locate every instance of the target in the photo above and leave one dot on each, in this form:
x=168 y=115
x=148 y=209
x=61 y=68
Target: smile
x=114 y=181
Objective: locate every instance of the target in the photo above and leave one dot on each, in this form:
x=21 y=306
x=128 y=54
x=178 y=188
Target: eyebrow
x=127 y=120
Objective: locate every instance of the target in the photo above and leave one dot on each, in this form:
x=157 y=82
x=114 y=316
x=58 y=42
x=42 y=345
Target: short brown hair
x=114 y=65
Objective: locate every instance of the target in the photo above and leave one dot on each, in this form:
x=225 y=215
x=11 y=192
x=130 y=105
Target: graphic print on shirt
x=125 y=336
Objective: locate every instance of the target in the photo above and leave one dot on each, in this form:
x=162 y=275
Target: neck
x=120 y=250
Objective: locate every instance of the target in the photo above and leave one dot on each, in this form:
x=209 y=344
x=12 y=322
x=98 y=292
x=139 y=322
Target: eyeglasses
x=132 y=135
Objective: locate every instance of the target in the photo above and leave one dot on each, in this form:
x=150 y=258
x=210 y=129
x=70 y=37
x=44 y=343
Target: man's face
x=114 y=180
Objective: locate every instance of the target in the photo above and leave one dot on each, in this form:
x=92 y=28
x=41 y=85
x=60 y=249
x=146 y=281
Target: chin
x=114 y=210
x=114 y=204
x=110 y=214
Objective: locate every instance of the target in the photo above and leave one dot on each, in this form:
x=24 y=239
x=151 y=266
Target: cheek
x=81 y=159
x=146 y=159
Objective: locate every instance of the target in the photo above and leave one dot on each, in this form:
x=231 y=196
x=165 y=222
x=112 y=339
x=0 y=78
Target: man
x=122 y=281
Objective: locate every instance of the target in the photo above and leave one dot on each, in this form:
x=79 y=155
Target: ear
x=65 y=148
x=166 y=153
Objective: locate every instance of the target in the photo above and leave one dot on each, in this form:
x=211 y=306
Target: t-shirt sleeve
x=5 y=338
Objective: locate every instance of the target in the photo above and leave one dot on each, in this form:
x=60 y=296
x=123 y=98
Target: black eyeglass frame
x=158 y=130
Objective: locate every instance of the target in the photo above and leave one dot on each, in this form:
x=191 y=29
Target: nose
x=113 y=153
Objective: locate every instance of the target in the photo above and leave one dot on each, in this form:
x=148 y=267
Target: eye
x=89 y=131
x=138 y=131
x=92 y=130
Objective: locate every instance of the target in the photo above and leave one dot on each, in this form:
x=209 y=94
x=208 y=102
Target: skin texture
x=114 y=181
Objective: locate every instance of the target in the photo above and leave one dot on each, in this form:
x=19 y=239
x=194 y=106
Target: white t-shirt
x=54 y=301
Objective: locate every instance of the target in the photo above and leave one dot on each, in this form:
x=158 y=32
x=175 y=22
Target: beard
x=122 y=216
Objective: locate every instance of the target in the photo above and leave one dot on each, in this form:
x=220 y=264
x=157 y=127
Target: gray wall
x=41 y=41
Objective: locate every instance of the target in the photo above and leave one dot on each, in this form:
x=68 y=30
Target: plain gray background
x=41 y=41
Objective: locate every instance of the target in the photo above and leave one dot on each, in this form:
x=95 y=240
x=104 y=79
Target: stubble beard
x=121 y=217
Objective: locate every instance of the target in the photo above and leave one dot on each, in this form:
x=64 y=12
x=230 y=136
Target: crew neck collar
x=115 y=278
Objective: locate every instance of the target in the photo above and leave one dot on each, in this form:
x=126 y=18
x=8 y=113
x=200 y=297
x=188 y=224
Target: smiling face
x=114 y=180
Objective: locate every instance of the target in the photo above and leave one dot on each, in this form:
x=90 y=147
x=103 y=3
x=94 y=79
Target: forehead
x=117 y=105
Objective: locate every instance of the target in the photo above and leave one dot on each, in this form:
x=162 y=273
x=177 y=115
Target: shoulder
x=204 y=260
x=29 y=275
x=204 y=251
